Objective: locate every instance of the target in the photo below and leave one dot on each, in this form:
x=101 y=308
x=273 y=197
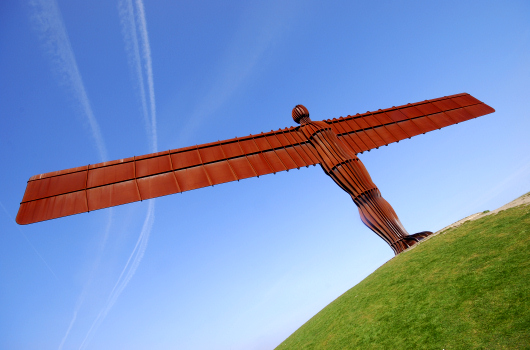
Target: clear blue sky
x=240 y=265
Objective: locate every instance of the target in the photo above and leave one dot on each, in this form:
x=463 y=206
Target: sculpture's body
x=333 y=144
x=340 y=162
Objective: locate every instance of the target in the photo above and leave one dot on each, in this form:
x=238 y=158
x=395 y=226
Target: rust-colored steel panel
x=305 y=151
x=374 y=136
x=192 y=178
x=262 y=143
x=273 y=141
x=303 y=144
x=121 y=181
x=158 y=185
x=220 y=172
x=295 y=157
x=286 y=159
x=185 y=159
x=428 y=108
x=372 y=121
x=274 y=161
x=242 y=168
x=353 y=140
x=425 y=124
x=283 y=140
x=259 y=164
x=459 y=114
x=397 y=131
x=409 y=127
x=232 y=149
x=385 y=134
x=57 y=173
x=248 y=145
x=383 y=118
x=153 y=165
x=397 y=116
x=411 y=112
x=446 y=104
x=112 y=195
x=111 y=162
x=361 y=122
x=211 y=154
x=346 y=127
x=150 y=155
x=409 y=120
x=442 y=120
x=110 y=174
x=52 y=207
x=55 y=185
x=367 y=140
x=478 y=110
x=465 y=100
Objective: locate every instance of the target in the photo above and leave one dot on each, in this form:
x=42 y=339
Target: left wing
x=103 y=185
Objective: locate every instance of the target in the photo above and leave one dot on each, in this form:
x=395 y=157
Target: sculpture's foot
x=404 y=243
x=409 y=241
x=421 y=235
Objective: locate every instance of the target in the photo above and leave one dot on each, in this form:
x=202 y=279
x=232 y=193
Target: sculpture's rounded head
x=300 y=114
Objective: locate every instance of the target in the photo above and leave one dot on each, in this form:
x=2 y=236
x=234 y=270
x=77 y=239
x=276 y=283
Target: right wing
x=108 y=184
x=363 y=132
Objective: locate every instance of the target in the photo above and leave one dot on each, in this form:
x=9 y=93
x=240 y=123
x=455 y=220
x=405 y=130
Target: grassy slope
x=468 y=288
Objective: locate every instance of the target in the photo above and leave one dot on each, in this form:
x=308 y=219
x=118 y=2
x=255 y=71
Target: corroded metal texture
x=340 y=162
x=108 y=184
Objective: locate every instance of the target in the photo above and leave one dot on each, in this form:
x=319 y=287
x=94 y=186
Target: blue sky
x=241 y=265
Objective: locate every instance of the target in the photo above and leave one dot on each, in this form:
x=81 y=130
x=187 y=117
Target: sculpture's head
x=300 y=114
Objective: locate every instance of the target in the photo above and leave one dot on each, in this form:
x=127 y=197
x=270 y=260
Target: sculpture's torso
x=337 y=159
x=341 y=163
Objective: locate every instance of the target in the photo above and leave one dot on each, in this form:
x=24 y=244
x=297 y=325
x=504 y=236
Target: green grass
x=467 y=288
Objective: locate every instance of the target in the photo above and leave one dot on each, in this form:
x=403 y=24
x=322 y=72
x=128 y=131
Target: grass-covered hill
x=466 y=288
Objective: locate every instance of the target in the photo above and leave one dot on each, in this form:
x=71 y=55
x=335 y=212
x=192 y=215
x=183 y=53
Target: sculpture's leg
x=375 y=211
x=343 y=166
x=379 y=216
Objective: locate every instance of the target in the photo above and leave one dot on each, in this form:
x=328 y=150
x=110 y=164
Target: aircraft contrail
x=127 y=273
x=142 y=26
x=48 y=19
x=27 y=240
x=130 y=29
x=95 y=266
x=257 y=33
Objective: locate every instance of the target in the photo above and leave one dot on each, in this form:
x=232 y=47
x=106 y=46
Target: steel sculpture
x=334 y=144
x=342 y=164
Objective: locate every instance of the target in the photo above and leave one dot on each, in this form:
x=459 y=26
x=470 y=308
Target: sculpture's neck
x=305 y=120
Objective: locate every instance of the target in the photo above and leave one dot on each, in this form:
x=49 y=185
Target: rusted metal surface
x=363 y=132
x=107 y=184
x=340 y=162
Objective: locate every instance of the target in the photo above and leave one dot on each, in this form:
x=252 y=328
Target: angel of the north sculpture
x=332 y=143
